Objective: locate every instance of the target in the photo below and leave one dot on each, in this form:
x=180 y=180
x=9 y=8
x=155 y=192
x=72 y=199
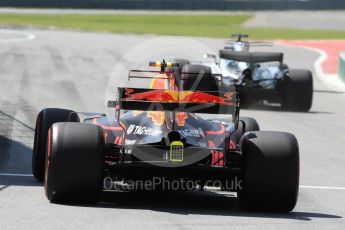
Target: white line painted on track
x=17 y=36
x=331 y=80
x=211 y=188
x=322 y=187
x=16 y=175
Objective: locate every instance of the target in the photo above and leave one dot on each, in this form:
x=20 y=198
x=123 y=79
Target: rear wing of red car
x=177 y=101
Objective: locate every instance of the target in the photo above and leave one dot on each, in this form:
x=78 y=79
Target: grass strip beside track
x=216 y=26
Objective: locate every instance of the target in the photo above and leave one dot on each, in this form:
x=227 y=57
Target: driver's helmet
x=238 y=46
x=230 y=67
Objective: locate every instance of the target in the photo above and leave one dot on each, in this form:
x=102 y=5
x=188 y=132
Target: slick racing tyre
x=270 y=172
x=74 y=163
x=198 y=77
x=247 y=101
x=178 y=70
x=181 y=61
x=297 y=91
x=44 y=120
x=246 y=124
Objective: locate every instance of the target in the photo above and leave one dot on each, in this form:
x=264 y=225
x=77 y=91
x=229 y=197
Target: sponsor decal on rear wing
x=177 y=101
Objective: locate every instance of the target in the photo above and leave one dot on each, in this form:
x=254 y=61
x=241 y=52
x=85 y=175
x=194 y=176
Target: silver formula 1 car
x=262 y=76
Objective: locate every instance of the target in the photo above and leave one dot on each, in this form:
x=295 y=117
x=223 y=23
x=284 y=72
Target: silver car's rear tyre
x=297 y=91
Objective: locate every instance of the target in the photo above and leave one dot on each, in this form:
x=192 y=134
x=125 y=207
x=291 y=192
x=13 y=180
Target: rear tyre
x=177 y=71
x=297 y=92
x=247 y=101
x=246 y=124
x=198 y=77
x=44 y=120
x=271 y=172
x=74 y=163
x=181 y=61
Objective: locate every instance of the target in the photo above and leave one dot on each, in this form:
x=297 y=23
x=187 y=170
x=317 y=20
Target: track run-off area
x=80 y=71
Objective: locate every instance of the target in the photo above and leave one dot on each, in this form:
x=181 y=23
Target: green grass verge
x=216 y=26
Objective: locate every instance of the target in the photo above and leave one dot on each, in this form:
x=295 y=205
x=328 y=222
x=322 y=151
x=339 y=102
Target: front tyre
x=271 y=171
x=74 y=163
x=246 y=124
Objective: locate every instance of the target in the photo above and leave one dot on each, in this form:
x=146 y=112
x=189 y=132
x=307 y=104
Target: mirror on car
x=210 y=56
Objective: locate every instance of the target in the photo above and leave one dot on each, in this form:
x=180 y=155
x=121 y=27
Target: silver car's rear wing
x=251 y=57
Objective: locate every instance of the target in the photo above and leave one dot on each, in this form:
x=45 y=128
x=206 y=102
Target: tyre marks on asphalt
x=32 y=79
x=16 y=140
x=58 y=61
x=15 y=134
x=66 y=90
x=6 y=60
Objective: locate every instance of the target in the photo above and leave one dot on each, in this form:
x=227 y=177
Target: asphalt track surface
x=74 y=70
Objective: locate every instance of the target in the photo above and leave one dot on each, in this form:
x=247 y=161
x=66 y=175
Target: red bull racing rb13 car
x=178 y=132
